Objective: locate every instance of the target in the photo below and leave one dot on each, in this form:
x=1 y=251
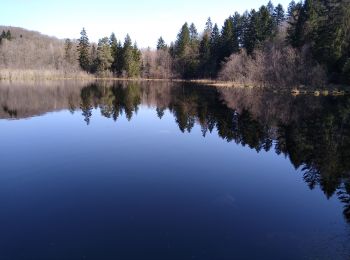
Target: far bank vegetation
x=306 y=44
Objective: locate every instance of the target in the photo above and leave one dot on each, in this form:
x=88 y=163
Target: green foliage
x=193 y=34
x=161 y=44
x=319 y=30
x=229 y=39
x=131 y=58
x=187 y=52
x=250 y=36
x=205 y=55
x=104 y=55
x=279 y=15
x=183 y=40
x=113 y=42
x=6 y=35
x=264 y=24
x=208 y=27
x=84 y=51
x=325 y=27
x=93 y=59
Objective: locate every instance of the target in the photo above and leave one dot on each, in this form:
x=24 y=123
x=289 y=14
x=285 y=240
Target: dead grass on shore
x=37 y=75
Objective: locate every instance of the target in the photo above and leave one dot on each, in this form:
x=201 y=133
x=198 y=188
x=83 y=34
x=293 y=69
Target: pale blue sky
x=145 y=21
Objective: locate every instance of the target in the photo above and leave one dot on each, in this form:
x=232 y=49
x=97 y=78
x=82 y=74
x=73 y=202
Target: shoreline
x=332 y=90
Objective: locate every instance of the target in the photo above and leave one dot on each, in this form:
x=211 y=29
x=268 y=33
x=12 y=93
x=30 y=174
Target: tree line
x=307 y=44
x=109 y=57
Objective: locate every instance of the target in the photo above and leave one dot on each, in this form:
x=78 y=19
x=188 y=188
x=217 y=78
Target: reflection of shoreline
x=24 y=100
x=313 y=132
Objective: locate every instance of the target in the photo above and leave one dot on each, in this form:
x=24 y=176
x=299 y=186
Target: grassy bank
x=38 y=75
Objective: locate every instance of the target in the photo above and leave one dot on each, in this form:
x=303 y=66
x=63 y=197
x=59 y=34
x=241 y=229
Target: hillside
x=29 y=51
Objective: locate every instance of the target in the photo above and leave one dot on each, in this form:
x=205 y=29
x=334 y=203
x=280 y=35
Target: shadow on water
x=313 y=132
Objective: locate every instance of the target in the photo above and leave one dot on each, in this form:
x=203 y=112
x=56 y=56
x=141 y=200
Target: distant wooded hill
x=21 y=49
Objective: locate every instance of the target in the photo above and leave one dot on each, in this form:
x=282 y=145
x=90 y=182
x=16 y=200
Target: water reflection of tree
x=86 y=105
x=313 y=132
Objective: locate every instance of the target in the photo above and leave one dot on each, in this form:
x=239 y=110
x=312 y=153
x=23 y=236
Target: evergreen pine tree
x=119 y=58
x=83 y=50
x=113 y=43
x=214 y=49
x=204 y=55
x=104 y=55
x=136 y=69
x=208 y=27
x=183 y=40
x=279 y=15
x=332 y=39
x=270 y=7
x=127 y=56
x=193 y=34
x=265 y=25
x=229 y=39
x=93 y=59
x=291 y=9
x=296 y=21
x=161 y=44
x=131 y=58
x=250 y=35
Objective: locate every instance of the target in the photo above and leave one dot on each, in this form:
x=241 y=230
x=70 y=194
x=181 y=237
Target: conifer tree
x=296 y=20
x=270 y=7
x=136 y=61
x=104 y=55
x=278 y=15
x=193 y=34
x=250 y=35
x=183 y=40
x=229 y=39
x=238 y=27
x=131 y=58
x=291 y=9
x=205 y=55
x=119 y=58
x=114 y=52
x=332 y=39
x=208 y=27
x=93 y=59
x=127 y=55
x=161 y=44
x=265 y=25
x=83 y=50
x=215 y=49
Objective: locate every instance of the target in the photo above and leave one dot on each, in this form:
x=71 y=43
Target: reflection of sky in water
x=137 y=188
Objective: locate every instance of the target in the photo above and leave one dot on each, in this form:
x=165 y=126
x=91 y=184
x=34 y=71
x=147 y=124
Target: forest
x=306 y=44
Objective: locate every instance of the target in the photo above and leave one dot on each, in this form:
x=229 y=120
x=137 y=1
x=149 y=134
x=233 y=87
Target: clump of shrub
x=274 y=65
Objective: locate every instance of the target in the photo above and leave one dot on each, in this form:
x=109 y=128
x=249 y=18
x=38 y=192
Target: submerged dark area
x=172 y=171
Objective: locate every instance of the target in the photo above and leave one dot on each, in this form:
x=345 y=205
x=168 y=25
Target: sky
x=145 y=21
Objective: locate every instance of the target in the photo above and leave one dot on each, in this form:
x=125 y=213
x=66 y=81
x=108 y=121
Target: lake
x=127 y=170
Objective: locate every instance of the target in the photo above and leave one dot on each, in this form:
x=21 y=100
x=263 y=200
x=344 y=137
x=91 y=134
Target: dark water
x=162 y=171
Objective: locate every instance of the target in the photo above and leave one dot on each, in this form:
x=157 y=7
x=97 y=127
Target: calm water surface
x=172 y=171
